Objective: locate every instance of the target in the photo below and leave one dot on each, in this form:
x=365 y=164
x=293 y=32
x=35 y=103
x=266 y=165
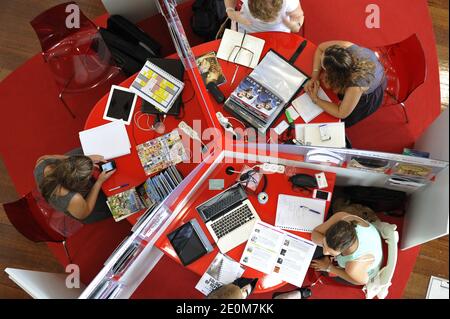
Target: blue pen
x=117 y=187
x=311 y=210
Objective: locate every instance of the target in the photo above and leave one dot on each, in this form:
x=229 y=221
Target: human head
x=265 y=10
x=342 y=69
x=72 y=173
x=241 y=288
x=339 y=237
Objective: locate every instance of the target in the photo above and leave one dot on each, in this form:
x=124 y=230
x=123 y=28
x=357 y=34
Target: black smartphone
x=322 y=195
x=108 y=166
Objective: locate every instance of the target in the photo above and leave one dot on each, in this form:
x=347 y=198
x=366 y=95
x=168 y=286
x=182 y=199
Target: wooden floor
x=18 y=46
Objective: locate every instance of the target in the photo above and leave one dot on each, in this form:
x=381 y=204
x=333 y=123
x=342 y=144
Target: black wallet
x=190 y=242
x=304 y=181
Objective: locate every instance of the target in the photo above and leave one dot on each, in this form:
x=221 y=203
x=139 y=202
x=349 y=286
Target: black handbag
x=304 y=181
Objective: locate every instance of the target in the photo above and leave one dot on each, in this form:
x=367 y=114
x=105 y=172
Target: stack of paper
x=306 y=108
x=109 y=140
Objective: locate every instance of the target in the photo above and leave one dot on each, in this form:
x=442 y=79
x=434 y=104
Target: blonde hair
x=229 y=291
x=265 y=10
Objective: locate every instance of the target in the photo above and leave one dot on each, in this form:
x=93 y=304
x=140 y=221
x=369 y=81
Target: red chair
x=38 y=222
x=78 y=57
x=405 y=66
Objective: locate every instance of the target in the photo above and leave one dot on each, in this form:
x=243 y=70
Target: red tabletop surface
x=277 y=184
x=130 y=170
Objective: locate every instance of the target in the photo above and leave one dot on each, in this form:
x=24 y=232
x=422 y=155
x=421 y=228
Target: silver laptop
x=229 y=217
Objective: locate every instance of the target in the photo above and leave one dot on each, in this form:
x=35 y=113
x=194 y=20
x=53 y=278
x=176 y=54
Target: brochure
x=210 y=69
x=277 y=252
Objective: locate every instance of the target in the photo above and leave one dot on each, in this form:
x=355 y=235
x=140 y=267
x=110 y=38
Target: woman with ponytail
x=66 y=183
x=353 y=243
x=354 y=73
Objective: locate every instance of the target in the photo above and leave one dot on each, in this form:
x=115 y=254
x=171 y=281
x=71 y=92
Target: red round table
x=130 y=171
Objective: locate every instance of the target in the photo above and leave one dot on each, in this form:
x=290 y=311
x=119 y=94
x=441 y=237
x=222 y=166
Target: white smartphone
x=318 y=194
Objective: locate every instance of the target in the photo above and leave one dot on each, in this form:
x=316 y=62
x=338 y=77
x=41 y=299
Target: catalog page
x=274 y=251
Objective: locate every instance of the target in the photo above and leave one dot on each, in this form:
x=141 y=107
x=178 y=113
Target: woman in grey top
x=66 y=183
x=354 y=73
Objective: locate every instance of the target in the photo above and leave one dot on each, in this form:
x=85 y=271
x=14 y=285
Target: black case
x=128 y=30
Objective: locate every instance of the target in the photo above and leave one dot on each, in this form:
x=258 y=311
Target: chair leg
x=67 y=251
x=62 y=99
x=404 y=111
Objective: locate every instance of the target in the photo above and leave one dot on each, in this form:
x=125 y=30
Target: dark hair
x=72 y=173
x=343 y=69
x=341 y=235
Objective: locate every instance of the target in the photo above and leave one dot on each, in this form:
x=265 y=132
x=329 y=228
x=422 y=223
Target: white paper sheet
x=109 y=140
x=291 y=215
x=223 y=270
x=306 y=107
x=309 y=134
x=231 y=40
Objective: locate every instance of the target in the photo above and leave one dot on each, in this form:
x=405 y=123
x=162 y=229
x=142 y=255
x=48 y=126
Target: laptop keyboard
x=224 y=201
x=231 y=221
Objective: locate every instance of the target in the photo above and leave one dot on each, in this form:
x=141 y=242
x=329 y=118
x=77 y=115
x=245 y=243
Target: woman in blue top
x=353 y=73
x=353 y=243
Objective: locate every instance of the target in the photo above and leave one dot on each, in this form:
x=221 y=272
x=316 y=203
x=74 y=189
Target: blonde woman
x=266 y=15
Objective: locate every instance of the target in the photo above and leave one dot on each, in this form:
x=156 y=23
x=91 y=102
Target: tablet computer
x=120 y=105
x=190 y=242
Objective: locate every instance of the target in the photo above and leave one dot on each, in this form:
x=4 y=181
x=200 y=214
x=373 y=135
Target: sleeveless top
x=369 y=242
x=262 y=26
x=61 y=203
x=372 y=82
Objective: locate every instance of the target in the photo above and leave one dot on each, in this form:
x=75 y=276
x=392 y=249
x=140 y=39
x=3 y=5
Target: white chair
x=379 y=285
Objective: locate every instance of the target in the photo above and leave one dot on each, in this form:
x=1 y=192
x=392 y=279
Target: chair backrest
x=379 y=285
x=405 y=67
x=30 y=220
x=77 y=56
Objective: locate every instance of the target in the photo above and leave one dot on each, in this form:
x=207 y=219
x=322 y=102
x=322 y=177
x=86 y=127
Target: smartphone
x=108 y=166
x=322 y=195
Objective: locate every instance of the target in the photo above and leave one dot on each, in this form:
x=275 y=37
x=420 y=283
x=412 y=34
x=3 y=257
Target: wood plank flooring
x=19 y=45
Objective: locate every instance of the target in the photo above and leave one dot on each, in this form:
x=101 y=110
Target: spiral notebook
x=157 y=87
x=299 y=213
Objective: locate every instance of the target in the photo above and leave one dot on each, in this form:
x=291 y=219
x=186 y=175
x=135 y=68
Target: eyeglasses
x=240 y=49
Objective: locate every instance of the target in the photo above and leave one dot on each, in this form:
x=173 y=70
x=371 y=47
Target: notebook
x=306 y=108
x=176 y=69
x=157 y=87
x=299 y=213
x=248 y=56
x=109 y=140
x=309 y=134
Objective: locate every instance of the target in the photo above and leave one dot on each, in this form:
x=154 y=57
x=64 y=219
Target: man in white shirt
x=266 y=15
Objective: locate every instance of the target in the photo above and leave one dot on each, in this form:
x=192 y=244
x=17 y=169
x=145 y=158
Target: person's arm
x=81 y=207
x=294 y=19
x=318 y=233
x=234 y=15
x=345 y=108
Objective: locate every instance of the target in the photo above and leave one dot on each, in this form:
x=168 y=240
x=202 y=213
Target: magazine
x=145 y=196
x=210 y=69
x=162 y=152
x=265 y=92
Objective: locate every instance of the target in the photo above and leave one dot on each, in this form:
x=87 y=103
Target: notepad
x=296 y=213
x=109 y=140
x=157 y=87
x=306 y=107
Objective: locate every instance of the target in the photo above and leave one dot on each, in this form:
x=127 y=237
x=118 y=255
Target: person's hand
x=104 y=176
x=97 y=159
x=313 y=92
x=309 y=86
x=321 y=264
x=239 y=18
x=294 y=26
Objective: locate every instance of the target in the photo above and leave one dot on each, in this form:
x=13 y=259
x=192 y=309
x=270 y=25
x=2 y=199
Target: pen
x=311 y=210
x=117 y=187
x=234 y=75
